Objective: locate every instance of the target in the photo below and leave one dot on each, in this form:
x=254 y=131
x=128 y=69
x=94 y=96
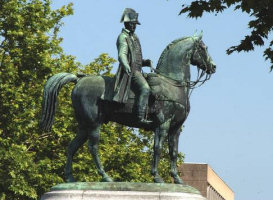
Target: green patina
x=126 y=186
x=163 y=54
x=170 y=84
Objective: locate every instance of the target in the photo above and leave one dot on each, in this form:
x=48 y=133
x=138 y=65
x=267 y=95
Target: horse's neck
x=178 y=75
x=175 y=64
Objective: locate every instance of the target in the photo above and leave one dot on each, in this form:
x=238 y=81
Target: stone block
x=122 y=191
x=118 y=195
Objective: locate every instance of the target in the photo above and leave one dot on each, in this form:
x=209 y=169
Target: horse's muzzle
x=211 y=69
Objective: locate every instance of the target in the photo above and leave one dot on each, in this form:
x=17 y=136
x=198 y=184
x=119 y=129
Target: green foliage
x=29 y=52
x=261 y=23
x=32 y=161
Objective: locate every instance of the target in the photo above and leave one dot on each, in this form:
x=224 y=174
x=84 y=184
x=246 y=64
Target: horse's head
x=176 y=58
x=200 y=56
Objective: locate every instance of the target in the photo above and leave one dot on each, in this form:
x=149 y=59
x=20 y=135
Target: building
x=203 y=178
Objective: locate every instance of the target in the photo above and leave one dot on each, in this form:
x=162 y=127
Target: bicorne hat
x=129 y=15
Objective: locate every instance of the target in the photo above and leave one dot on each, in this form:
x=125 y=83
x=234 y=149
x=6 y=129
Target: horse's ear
x=195 y=33
x=200 y=35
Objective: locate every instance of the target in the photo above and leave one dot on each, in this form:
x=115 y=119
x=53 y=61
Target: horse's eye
x=202 y=45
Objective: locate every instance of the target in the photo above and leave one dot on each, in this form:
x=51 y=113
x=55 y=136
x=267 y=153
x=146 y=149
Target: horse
x=170 y=85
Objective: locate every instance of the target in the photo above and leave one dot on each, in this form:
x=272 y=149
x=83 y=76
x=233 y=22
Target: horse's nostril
x=213 y=67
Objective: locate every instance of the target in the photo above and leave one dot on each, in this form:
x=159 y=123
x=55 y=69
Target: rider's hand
x=127 y=70
x=147 y=63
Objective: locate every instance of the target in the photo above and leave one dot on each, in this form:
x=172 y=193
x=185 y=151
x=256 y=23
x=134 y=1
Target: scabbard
x=127 y=87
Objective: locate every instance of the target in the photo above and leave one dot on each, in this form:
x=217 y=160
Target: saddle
x=162 y=89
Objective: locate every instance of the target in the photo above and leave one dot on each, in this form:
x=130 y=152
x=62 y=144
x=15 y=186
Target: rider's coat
x=129 y=55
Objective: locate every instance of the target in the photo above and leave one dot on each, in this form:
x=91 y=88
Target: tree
x=31 y=161
x=29 y=52
x=261 y=23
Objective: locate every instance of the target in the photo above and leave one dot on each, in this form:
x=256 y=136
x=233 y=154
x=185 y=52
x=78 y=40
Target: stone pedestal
x=122 y=191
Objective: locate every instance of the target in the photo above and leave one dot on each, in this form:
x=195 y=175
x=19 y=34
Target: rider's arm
x=123 y=53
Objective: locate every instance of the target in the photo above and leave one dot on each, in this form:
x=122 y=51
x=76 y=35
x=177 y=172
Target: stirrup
x=144 y=121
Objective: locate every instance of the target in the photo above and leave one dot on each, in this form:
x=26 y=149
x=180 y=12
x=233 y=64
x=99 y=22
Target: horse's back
x=86 y=94
x=89 y=86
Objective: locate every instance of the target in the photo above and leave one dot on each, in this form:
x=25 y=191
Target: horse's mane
x=167 y=49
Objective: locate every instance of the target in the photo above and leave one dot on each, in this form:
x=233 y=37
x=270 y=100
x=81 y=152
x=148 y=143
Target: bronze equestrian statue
x=168 y=103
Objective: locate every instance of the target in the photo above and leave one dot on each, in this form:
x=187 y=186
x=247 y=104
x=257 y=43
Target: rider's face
x=130 y=26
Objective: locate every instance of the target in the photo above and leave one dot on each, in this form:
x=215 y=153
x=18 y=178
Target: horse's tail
x=51 y=91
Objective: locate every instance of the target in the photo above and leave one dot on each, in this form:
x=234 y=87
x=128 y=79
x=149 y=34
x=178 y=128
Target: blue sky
x=230 y=123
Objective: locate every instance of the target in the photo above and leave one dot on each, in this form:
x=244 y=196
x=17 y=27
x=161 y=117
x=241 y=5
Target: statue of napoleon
x=129 y=72
x=95 y=103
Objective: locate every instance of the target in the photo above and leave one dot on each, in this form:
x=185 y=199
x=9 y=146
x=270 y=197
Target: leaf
x=260 y=22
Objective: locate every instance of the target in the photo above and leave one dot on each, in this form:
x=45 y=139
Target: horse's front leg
x=160 y=134
x=173 y=151
x=93 y=145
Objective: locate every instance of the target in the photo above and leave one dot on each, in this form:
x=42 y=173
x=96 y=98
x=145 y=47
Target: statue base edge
x=122 y=190
x=118 y=195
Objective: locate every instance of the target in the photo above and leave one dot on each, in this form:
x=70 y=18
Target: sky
x=230 y=122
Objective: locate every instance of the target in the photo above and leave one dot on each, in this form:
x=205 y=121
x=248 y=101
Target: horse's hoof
x=70 y=179
x=106 y=179
x=177 y=180
x=158 y=179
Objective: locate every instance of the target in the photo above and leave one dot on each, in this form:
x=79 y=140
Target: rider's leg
x=142 y=89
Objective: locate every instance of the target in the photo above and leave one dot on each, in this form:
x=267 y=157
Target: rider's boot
x=141 y=108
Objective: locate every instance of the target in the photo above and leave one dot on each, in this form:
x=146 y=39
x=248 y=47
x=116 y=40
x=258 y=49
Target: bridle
x=202 y=76
x=199 y=81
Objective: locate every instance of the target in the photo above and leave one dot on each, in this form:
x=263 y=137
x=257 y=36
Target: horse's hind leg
x=75 y=144
x=93 y=144
x=173 y=151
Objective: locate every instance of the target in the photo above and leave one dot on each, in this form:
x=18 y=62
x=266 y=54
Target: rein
x=193 y=84
x=198 y=82
x=201 y=78
x=173 y=82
